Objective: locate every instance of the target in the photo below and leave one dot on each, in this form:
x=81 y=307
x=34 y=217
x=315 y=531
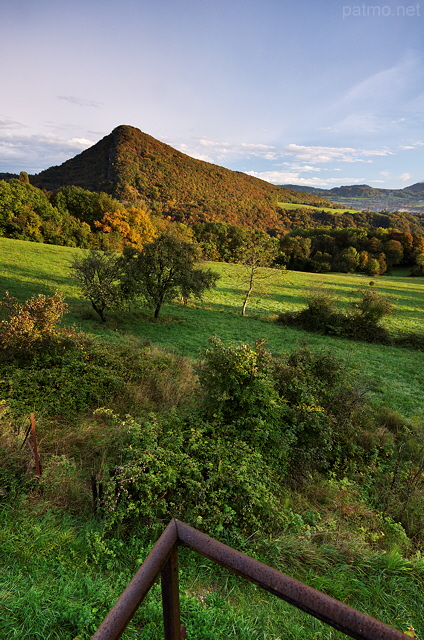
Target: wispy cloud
x=389 y=100
x=213 y=151
x=412 y=145
x=322 y=154
x=384 y=85
x=294 y=177
x=220 y=151
x=287 y=164
x=7 y=123
x=81 y=102
x=37 y=152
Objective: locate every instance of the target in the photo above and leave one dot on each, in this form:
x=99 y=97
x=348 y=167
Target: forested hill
x=362 y=196
x=132 y=165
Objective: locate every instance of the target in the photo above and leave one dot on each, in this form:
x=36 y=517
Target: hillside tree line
x=73 y=216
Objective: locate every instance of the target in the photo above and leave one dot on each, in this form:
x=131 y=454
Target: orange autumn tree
x=126 y=226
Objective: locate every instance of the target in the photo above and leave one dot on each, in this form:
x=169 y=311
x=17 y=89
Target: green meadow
x=394 y=374
x=290 y=206
x=61 y=569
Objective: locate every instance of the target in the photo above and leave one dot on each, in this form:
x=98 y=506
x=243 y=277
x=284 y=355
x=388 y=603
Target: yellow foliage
x=130 y=226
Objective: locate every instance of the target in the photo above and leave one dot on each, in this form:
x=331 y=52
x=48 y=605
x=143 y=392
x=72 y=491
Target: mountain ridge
x=410 y=198
x=133 y=166
x=136 y=168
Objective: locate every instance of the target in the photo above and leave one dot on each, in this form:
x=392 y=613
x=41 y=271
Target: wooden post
x=34 y=440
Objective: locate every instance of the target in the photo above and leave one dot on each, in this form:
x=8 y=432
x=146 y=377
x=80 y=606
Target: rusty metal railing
x=163 y=560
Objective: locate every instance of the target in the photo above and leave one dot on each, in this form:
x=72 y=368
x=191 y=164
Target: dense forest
x=313 y=240
x=348 y=250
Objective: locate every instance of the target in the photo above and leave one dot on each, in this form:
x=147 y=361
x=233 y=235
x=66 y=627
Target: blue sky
x=322 y=94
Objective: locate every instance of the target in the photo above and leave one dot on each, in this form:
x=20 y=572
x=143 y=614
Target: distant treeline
x=347 y=250
x=73 y=216
x=322 y=250
x=305 y=218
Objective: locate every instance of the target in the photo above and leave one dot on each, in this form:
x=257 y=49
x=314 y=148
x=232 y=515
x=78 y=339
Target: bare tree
x=259 y=251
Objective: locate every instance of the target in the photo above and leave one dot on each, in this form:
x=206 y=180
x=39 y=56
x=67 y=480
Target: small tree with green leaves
x=164 y=269
x=99 y=277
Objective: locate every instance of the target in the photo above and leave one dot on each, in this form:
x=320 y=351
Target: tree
x=373 y=267
x=164 y=269
x=259 y=251
x=122 y=227
x=418 y=268
x=99 y=277
x=394 y=252
x=347 y=260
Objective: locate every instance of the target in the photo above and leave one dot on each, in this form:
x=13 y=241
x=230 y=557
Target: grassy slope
x=50 y=588
x=28 y=268
x=290 y=206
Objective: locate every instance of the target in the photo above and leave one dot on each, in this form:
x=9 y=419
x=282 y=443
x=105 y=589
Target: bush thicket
x=221 y=452
x=362 y=321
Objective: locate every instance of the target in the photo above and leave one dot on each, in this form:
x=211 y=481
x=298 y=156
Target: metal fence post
x=173 y=630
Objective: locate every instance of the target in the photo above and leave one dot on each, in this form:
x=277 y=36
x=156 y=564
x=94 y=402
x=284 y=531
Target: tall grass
x=60 y=577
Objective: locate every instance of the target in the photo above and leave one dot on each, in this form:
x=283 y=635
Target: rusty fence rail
x=163 y=560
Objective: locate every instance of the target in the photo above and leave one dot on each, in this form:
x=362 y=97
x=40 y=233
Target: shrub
x=73 y=374
x=372 y=306
x=174 y=468
x=240 y=397
x=303 y=410
x=61 y=379
x=30 y=323
x=361 y=323
x=236 y=378
x=410 y=341
x=321 y=314
x=326 y=408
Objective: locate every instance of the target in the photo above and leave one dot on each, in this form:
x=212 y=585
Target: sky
x=323 y=93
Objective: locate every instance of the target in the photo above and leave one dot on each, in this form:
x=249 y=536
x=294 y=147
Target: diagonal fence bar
x=340 y=616
x=163 y=560
x=119 y=616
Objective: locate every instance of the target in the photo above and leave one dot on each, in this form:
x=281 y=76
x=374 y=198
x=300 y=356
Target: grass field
x=290 y=206
x=59 y=574
x=395 y=374
x=49 y=591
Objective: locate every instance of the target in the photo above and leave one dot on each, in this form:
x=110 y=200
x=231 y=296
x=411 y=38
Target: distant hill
x=8 y=176
x=410 y=199
x=132 y=165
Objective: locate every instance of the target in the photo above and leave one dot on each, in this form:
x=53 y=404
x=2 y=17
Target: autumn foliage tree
x=129 y=226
